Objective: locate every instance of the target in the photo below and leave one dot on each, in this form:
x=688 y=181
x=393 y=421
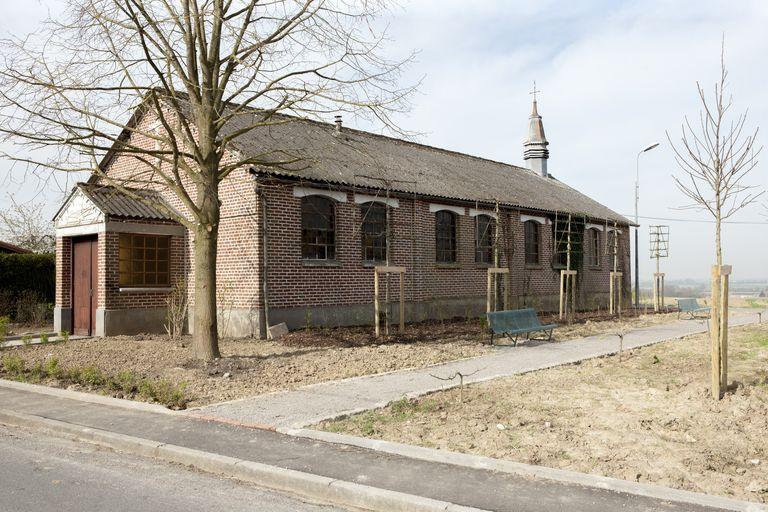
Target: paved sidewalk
x=308 y=405
x=470 y=487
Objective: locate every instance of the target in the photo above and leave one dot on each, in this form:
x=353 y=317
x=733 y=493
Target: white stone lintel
x=474 y=213
x=535 y=218
x=367 y=198
x=435 y=207
x=336 y=195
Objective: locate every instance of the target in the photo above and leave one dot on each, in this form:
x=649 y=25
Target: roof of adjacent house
x=115 y=203
x=7 y=247
x=362 y=159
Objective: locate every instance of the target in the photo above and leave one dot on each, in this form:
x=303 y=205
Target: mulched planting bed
x=646 y=417
x=154 y=368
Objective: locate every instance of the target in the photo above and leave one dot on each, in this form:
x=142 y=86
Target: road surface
x=41 y=473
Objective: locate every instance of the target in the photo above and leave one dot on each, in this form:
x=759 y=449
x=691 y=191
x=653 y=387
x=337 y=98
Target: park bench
x=691 y=307
x=517 y=322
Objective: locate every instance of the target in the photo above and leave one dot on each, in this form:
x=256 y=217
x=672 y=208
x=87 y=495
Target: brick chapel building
x=299 y=246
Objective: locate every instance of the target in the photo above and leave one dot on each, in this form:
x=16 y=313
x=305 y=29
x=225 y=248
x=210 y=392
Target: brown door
x=85 y=276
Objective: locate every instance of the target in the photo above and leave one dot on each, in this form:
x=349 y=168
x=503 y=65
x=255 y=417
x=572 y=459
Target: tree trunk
x=205 y=339
x=715 y=314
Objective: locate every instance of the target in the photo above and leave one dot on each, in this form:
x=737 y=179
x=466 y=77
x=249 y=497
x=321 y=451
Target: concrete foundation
x=242 y=323
x=62 y=319
x=114 y=322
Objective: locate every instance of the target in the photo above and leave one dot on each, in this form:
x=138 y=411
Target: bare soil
x=252 y=367
x=646 y=417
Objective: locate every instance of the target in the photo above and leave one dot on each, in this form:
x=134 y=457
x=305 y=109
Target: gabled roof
x=355 y=158
x=362 y=159
x=6 y=247
x=114 y=203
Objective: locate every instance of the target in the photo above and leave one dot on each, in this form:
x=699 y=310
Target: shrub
x=124 y=381
x=7 y=303
x=91 y=376
x=44 y=338
x=31 y=308
x=164 y=392
x=33 y=273
x=26 y=340
x=4 y=321
x=64 y=335
x=14 y=365
x=51 y=367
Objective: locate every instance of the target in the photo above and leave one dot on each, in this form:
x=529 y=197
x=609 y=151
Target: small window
x=144 y=260
x=593 y=236
x=485 y=230
x=374 y=231
x=318 y=239
x=532 y=242
x=445 y=237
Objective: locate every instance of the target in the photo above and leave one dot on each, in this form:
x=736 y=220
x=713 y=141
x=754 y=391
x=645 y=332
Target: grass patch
x=125 y=384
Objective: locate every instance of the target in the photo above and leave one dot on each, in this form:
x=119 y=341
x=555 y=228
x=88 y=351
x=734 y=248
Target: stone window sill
x=372 y=264
x=321 y=263
x=533 y=267
x=145 y=289
x=448 y=265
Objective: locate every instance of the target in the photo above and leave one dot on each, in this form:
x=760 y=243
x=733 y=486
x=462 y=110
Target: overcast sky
x=614 y=77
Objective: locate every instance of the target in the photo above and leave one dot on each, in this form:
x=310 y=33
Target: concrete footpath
x=345 y=475
x=287 y=410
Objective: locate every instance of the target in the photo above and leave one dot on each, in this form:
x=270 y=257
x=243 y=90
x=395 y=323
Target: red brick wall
x=294 y=282
x=63 y=272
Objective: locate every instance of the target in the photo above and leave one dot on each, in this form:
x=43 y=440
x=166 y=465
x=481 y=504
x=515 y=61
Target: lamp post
x=637 y=225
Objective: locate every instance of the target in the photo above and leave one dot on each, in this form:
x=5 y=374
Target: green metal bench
x=517 y=322
x=691 y=307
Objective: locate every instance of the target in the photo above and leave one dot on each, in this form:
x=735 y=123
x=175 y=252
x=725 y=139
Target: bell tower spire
x=535 y=150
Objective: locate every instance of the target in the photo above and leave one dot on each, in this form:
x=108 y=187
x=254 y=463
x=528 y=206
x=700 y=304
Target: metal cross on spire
x=534 y=91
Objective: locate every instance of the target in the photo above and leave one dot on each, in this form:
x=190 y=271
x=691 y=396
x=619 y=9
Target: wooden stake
x=714 y=330
x=376 y=303
x=725 y=272
x=402 y=302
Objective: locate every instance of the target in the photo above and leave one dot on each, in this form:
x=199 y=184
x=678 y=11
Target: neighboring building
x=7 y=248
x=303 y=242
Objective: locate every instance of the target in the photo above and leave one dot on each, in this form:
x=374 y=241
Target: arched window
x=373 y=230
x=593 y=239
x=445 y=236
x=485 y=230
x=532 y=242
x=318 y=239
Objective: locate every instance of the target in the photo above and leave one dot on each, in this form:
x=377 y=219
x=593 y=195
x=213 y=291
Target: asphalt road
x=40 y=473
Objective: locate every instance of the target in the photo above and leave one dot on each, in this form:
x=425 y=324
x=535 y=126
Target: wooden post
x=714 y=331
x=376 y=303
x=491 y=294
x=376 y=312
x=489 y=301
x=506 y=291
x=725 y=272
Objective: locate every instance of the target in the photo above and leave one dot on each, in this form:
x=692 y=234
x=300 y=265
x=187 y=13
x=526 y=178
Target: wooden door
x=85 y=279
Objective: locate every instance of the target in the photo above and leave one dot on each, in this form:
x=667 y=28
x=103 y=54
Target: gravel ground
x=252 y=367
x=645 y=417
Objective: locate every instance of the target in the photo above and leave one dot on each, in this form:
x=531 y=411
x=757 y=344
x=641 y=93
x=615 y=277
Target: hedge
x=32 y=272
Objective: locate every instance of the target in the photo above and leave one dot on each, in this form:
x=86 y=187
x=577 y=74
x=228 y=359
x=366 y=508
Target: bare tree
x=210 y=72
x=25 y=225
x=715 y=156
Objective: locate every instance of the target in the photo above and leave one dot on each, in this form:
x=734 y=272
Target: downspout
x=261 y=197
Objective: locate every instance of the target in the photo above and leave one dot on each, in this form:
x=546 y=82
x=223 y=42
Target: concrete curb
x=530 y=471
x=85 y=397
x=307 y=485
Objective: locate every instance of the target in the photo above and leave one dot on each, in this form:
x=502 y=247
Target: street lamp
x=637 y=224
